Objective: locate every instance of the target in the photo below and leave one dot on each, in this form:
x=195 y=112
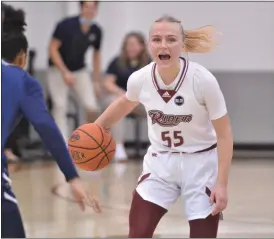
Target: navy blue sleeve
x=35 y=110
x=97 y=43
x=112 y=67
x=60 y=31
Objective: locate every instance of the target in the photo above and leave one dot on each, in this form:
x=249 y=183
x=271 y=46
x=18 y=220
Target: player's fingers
x=217 y=207
x=81 y=205
x=216 y=210
x=212 y=197
x=223 y=204
x=93 y=203
x=97 y=205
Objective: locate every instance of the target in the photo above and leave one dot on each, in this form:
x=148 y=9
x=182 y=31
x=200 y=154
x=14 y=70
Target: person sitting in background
x=68 y=46
x=133 y=56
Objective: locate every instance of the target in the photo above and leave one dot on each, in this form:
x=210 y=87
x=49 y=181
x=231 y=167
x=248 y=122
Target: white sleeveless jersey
x=178 y=116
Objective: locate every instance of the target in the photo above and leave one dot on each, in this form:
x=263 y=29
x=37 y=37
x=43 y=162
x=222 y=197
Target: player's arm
x=123 y=105
x=97 y=57
x=55 y=43
x=96 y=74
x=35 y=110
x=216 y=106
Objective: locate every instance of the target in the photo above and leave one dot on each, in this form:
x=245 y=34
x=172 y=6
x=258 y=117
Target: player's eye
x=171 y=40
x=156 y=40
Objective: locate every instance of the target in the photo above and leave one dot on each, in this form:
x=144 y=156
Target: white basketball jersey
x=176 y=120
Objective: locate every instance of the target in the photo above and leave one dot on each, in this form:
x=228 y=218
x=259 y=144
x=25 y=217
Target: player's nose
x=163 y=44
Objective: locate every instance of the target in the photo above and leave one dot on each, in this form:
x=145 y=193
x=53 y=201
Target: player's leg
x=58 y=91
x=144 y=217
x=204 y=228
x=86 y=95
x=155 y=192
x=199 y=176
x=11 y=224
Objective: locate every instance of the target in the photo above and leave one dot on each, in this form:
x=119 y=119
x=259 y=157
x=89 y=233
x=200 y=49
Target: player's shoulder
x=32 y=83
x=200 y=72
x=20 y=76
x=12 y=73
x=143 y=72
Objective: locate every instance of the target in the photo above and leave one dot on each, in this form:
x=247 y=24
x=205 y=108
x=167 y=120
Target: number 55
x=176 y=138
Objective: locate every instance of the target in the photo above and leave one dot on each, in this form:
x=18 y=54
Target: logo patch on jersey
x=179 y=100
x=166 y=120
x=166 y=94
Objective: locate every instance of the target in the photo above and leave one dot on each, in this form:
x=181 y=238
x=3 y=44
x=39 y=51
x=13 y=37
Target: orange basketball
x=91 y=147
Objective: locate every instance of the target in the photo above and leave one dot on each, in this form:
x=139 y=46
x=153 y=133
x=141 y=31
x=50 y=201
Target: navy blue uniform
x=75 y=42
x=22 y=95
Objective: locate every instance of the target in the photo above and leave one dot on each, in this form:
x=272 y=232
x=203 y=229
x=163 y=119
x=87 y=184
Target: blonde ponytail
x=200 y=40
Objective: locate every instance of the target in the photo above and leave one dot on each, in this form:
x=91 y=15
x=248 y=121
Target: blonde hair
x=200 y=40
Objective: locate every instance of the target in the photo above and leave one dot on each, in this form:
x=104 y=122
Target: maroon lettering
x=165 y=120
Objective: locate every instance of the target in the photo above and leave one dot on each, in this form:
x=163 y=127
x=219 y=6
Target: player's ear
x=21 y=59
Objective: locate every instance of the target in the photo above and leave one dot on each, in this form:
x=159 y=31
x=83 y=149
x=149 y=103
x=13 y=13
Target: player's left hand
x=82 y=196
x=219 y=197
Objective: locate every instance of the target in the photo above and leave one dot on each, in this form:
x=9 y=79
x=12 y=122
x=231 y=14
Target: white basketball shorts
x=167 y=176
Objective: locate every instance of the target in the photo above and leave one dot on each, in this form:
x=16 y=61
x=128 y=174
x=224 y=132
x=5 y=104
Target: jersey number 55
x=172 y=139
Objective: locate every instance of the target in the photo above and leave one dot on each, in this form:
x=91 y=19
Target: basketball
x=91 y=147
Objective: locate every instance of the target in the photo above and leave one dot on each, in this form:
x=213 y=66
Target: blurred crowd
x=67 y=71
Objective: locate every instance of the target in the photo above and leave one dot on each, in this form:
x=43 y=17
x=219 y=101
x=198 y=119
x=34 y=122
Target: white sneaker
x=120 y=154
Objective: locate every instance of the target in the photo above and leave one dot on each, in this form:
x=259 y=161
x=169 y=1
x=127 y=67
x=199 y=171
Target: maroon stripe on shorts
x=145 y=176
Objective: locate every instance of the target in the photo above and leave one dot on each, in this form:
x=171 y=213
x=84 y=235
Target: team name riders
x=163 y=119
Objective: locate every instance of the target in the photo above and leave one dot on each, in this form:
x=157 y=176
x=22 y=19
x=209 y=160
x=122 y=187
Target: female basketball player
x=21 y=94
x=189 y=130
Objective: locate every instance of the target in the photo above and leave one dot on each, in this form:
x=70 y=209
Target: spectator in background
x=133 y=56
x=70 y=41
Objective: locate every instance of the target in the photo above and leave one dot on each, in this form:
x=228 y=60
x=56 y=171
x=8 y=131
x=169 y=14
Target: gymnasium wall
x=247 y=28
x=243 y=63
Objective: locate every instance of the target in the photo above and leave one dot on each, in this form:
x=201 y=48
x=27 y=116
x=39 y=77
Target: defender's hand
x=82 y=196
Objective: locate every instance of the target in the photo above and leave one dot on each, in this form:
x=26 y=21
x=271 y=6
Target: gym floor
x=48 y=210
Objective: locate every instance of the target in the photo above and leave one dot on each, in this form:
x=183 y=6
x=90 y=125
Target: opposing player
x=21 y=94
x=189 y=130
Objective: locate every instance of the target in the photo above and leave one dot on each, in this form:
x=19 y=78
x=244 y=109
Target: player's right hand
x=69 y=78
x=82 y=196
x=219 y=196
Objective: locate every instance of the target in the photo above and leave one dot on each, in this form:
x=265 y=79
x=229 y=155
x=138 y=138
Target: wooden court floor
x=48 y=211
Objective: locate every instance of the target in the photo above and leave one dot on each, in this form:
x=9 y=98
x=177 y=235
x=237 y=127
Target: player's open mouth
x=164 y=57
